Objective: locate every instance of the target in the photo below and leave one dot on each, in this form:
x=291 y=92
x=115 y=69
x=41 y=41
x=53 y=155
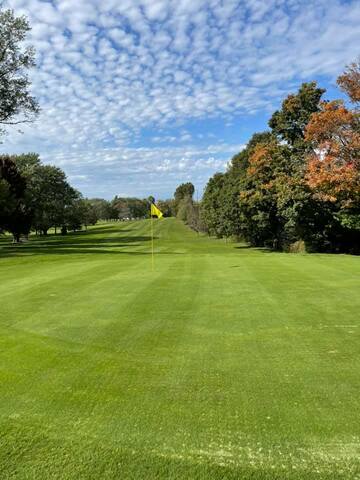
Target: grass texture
x=224 y=362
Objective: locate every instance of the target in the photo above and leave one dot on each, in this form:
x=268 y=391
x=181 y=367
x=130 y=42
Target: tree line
x=294 y=187
x=37 y=197
x=297 y=185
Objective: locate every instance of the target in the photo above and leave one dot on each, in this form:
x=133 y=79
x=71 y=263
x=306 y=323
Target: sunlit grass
x=222 y=363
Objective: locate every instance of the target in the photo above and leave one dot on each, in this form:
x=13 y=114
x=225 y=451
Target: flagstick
x=152 y=243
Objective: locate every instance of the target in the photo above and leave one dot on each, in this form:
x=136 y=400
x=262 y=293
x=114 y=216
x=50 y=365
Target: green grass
x=223 y=363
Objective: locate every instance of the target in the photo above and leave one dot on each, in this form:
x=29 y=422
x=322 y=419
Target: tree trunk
x=16 y=238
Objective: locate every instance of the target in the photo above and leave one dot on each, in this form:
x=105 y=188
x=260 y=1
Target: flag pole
x=152 y=241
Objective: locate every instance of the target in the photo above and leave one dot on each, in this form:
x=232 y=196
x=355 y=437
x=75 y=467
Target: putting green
x=223 y=363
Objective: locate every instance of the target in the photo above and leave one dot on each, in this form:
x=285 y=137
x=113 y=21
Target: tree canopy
x=17 y=105
x=300 y=181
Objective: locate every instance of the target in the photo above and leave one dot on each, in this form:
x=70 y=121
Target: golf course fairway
x=223 y=362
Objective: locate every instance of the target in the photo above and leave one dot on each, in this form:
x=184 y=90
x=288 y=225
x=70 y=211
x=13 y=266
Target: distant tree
x=17 y=105
x=184 y=207
x=130 y=207
x=103 y=209
x=50 y=195
x=138 y=208
x=76 y=215
x=90 y=213
x=166 y=207
x=121 y=207
x=185 y=190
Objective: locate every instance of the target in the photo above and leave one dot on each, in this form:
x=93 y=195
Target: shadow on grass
x=75 y=251
x=84 y=241
x=95 y=230
x=258 y=249
x=80 y=233
x=74 y=244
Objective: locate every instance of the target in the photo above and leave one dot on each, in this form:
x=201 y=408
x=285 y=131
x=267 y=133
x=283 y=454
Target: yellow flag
x=155 y=211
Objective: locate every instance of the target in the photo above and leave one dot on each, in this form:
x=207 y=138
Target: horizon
x=139 y=97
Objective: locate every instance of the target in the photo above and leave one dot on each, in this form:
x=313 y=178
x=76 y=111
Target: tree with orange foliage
x=349 y=81
x=270 y=167
x=333 y=169
x=299 y=181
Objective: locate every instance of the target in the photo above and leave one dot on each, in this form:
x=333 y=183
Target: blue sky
x=138 y=96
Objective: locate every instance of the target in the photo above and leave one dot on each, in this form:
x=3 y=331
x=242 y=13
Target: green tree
x=17 y=105
x=184 y=207
x=78 y=213
x=130 y=207
x=14 y=213
x=138 y=208
x=166 y=207
x=220 y=209
x=211 y=204
x=103 y=209
x=183 y=191
x=289 y=123
x=90 y=213
x=50 y=195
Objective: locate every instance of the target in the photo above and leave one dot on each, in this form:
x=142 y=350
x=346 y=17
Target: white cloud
x=108 y=70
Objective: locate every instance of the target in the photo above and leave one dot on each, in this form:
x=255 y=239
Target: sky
x=138 y=96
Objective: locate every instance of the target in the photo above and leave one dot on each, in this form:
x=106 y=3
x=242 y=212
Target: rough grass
x=224 y=363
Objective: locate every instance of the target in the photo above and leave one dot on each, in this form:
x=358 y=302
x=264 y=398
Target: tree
x=14 y=213
x=220 y=210
x=49 y=197
x=90 y=213
x=211 y=204
x=300 y=182
x=289 y=123
x=333 y=171
x=80 y=212
x=183 y=191
x=17 y=105
x=26 y=162
x=183 y=205
x=138 y=208
x=260 y=220
x=103 y=209
x=349 y=81
x=189 y=213
x=333 y=168
x=166 y=207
